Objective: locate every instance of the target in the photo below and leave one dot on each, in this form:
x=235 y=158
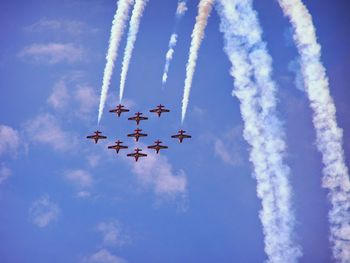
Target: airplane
x=181 y=135
x=159 y=110
x=119 y=110
x=137 y=154
x=137 y=134
x=97 y=136
x=157 y=146
x=138 y=118
x=118 y=146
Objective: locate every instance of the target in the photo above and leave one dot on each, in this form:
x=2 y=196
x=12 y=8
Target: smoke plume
x=135 y=20
x=117 y=31
x=254 y=87
x=180 y=11
x=204 y=9
x=329 y=137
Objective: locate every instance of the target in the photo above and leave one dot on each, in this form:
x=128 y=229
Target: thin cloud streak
x=52 y=53
x=117 y=31
x=262 y=130
x=329 y=137
x=43 y=211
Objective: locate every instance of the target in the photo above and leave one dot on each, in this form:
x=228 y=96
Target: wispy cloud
x=74 y=97
x=227 y=147
x=43 y=211
x=71 y=27
x=59 y=97
x=156 y=172
x=103 y=256
x=5 y=173
x=10 y=140
x=112 y=233
x=52 y=53
x=46 y=129
x=87 y=99
x=80 y=178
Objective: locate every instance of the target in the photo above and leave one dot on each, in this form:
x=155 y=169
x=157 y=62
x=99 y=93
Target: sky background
x=65 y=199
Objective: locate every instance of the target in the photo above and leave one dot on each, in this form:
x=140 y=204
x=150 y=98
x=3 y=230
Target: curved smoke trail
x=135 y=19
x=251 y=61
x=329 y=136
x=117 y=31
x=180 y=11
x=204 y=9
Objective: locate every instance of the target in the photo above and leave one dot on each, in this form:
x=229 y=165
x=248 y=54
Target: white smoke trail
x=250 y=60
x=117 y=31
x=135 y=20
x=329 y=136
x=180 y=11
x=204 y=9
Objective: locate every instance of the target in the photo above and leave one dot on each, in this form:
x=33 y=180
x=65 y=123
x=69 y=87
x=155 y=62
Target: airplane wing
x=142 y=134
x=114 y=110
x=154 y=110
x=142 y=154
x=175 y=136
x=165 y=110
x=132 y=135
x=131 y=154
x=91 y=136
x=132 y=118
x=102 y=137
x=186 y=136
x=143 y=118
x=163 y=147
x=152 y=147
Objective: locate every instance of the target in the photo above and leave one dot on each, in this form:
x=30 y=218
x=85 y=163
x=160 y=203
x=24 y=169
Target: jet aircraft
x=157 y=146
x=137 y=134
x=137 y=154
x=97 y=136
x=159 y=110
x=119 y=110
x=138 y=118
x=118 y=146
x=181 y=135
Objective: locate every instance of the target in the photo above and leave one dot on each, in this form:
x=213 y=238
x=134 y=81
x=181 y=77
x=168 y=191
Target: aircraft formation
x=159 y=110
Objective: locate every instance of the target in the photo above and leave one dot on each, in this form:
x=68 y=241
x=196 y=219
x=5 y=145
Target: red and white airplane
x=137 y=154
x=137 y=134
x=157 y=146
x=97 y=136
x=119 y=110
x=159 y=110
x=181 y=135
x=118 y=146
x=138 y=118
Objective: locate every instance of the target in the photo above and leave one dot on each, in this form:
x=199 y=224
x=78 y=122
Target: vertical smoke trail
x=117 y=31
x=329 y=136
x=204 y=9
x=135 y=19
x=250 y=60
x=180 y=11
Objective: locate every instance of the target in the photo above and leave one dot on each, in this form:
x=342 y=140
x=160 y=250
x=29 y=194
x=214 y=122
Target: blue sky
x=64 y=199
